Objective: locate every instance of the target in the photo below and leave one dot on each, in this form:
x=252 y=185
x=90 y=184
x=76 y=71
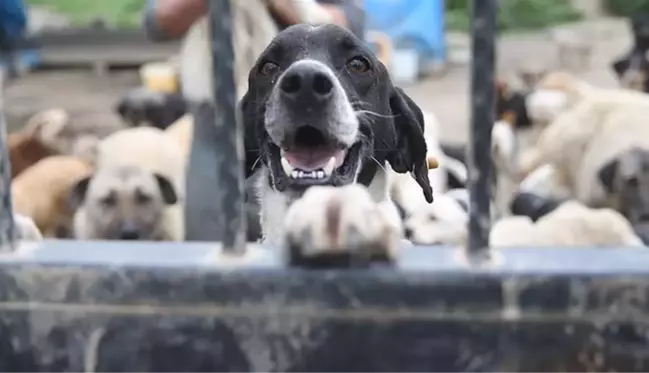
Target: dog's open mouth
x=312 y=159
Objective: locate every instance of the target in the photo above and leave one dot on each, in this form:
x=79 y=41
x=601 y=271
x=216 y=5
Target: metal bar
x=8 y=233
x=229 y=143
x=483 y=37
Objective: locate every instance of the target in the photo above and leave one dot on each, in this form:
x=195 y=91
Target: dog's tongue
x=311 y=160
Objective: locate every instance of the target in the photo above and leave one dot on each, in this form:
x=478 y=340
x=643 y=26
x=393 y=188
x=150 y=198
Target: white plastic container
x=404 y=66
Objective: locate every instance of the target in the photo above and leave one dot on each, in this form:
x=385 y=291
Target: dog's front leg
x=329 y=224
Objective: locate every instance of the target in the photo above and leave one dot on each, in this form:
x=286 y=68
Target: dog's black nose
x=129 y=232
x=306 y=80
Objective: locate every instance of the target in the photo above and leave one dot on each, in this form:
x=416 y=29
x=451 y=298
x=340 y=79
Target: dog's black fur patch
x=637 y=56
x=533 y=206
x=142 y=107
x=512 y=102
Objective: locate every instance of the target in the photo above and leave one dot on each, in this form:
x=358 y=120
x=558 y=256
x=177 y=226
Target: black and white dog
x=325 y=128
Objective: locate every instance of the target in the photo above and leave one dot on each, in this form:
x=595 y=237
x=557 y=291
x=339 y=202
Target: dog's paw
x=27 y=229
x=329 y=224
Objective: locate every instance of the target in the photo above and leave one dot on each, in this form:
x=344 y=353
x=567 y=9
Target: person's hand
x=175 y=17
x=284 y=10
x=337 y=15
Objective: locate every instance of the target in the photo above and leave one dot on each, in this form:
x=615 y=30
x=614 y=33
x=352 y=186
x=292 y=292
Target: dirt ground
x=91 y=98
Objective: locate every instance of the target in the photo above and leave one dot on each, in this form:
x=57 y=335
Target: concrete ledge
x=75 y=306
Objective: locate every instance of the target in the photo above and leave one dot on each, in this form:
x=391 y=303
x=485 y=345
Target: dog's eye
x=108 y=200
x=269 y=68
x=142 y=198
x=358 y=65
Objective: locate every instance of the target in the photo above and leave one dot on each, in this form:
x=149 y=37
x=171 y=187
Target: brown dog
x=29 y=145
x=41 y=193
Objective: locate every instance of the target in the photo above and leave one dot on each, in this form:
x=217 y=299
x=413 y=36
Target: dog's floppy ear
x=77 y=193
x=248 y=117
x=410 y=153
x=167 y=189
x=621 y=66
x=607 y=175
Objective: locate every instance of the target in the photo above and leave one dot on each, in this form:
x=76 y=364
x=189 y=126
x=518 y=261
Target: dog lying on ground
x=559 y=91
x=76 y=136
x=30 y=144
x=123 y=203
x=53 y=132
x=41 y=193
x=328 y=125
x=601 y=153
x=141 y=106
x=569 y=224
x=632 y=70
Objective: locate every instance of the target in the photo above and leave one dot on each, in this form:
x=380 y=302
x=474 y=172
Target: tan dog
x=123 y=203
x=145 y=147
x=181 y=131
x=149 y=149
x=571 y=224
x=28 y=146
x=559 y=91
x=41 y=193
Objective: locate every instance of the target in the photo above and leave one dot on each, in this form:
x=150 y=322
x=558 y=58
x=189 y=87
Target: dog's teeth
x=329 y=168
x=320 y=174
x=300 y=174
x=286 y=166
x=295 y=174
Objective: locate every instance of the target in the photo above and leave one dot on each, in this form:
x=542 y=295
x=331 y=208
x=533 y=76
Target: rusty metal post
x=8 y=233
x=483 y=39
x=229 y=143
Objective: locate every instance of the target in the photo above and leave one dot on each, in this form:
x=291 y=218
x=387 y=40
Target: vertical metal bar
x=483 y=40
x=229 y=143
x=8 y=233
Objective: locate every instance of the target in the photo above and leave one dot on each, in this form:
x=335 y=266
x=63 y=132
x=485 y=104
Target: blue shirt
x=13 y=19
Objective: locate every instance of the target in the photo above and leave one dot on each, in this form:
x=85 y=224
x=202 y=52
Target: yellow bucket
x=160 y=77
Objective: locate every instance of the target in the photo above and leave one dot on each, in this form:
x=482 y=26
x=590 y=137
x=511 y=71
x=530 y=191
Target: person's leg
x=13 y=23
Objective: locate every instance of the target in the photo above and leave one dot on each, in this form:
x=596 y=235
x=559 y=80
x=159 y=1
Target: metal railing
x=483 y=37
x=230 y=161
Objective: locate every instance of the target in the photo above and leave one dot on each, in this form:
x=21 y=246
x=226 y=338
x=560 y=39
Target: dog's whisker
x=379 y=164
x=256 y=161
x=359 y=105
x=368 y=112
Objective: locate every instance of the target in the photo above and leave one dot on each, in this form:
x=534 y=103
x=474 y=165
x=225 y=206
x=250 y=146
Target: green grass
x=120 y=13
x=513 y=14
